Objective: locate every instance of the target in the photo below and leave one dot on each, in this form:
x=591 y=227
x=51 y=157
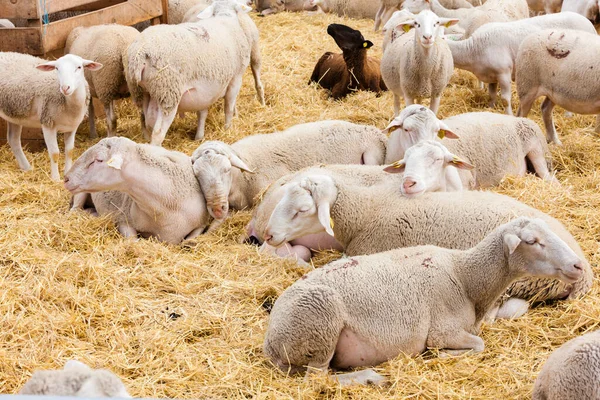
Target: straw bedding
x=188 y=322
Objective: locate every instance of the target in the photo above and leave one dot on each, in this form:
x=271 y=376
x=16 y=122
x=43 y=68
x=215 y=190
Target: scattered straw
x=183 y=322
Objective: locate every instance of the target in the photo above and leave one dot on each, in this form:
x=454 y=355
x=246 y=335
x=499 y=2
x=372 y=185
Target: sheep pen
x=188 y=321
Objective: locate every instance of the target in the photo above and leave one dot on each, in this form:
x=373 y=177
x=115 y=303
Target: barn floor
x=188 y=322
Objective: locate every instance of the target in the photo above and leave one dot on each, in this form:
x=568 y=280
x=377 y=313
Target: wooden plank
x=165 y=12
x=128 y=13
x=22 y=40
x=27 y=9
x=97 y=5
x=55 y=6
x=31 y=138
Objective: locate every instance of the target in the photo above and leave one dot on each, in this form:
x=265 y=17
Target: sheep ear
x=92 y=65
x=445 y=132
x=396 y=167
x=243 y=8
x=238 y=163
x=116 y=161
x=74 y=365
x=407 y=26
x=512 y=242
x=208 y=12
x=448 y=22
x=459 y=163
x=49 y=66
x=395 y=124
x=367 y=44
x=318 y=189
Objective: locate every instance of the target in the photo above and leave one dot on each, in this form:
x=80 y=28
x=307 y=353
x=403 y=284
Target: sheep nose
x=66 y=88
x=408 y=183
x=268 y=237
x=217 y=212
x=578 y=266
x=427 y=37
x=66 y=179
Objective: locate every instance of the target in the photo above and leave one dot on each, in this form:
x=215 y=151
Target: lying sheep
x=571 y=372
x=587 y=8
x=107 y=44
x=75 y=380
x=347 y=8
x=561 y=65
x=363 y=311
x=545 y=6
x=429 y=166
x=420 y=64
x=497 y=145
x=267 y=7
x=61 y=97
x=350 y=71
x=170 y=70
x=147 y=189
x=265 y=158
x=491 y=52
x=330 y=202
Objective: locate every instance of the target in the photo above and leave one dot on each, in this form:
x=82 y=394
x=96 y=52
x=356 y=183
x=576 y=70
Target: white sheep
x=52 y=95
x=75 y=380
x=561 y=65
x=388 y=7
x=429 y=166
x=363 y=311
x=587 y=8
x=258 y=160
x=106 y=44
x=146 y=189
x=192 y=14
x=348 y=8
x=496 y=144
x=188 y=67
x=490 y=53
x=571 y=372
x=418 y=65
x=177 y=9
x=324 y=199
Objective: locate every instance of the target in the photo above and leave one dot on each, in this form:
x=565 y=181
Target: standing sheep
x=351 y=71
x=146 y=189
x=497 y=145
x=188 y=67
x=561 y=65
x=34 y=95
x=261 y=159
x=491 y=52
x=572 y=372
x=388 y=7
x=75 y=380
x=106 y=44
x=418 y=65
x=363 y=311
x=331 y=202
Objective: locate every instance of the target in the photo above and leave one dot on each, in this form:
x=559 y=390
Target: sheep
x=330 y=201
x=75 y=380
x=146 y=189
x=587 y=8
x=178 y=8
x=169 y=70
x=362 y=311
x=266 y=158
x=388 y=7
x=106 y=44
x=491 y=52
x=496 y=144
x=420 y=64
x=267 y=7
x=33 y=95
x=560 y=65
x=192 y=14
x=347 y=8
x=571 y=372
x=4 y=23
x=546 y=6
x=429 y=166
x=350 y=71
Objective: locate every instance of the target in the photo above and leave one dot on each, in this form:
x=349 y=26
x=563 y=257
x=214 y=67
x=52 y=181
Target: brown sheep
x=350 y=71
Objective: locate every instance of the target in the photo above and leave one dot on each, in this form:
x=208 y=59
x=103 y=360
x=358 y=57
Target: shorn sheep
x=169 y=69
x=350 y=71
x=363 y=311
x=52 y=95
x=258 y=160
x=320 y=200
x=560 y=65
x=75 y=380
x=106 y=44
x=491 y=52
x=418 y=65
x=571 y=372
x=146 y=189
x=497 y=145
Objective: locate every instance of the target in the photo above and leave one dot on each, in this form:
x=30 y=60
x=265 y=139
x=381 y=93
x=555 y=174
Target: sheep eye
x=531 y=242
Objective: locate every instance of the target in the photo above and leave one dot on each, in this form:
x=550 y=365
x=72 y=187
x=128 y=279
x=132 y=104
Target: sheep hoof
x=513 y=308
x=365 y=377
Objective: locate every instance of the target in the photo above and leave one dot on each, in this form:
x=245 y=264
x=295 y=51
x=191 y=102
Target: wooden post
x=165 y=12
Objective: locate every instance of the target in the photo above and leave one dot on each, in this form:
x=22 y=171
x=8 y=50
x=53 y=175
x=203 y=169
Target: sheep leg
x=255 y=64
x=506 y=92
x=13 y=137
x=396 y=105
x=387 y=15
x=92 y=120
x=547 y=107
x=513 y=308
x=201 y=124
x=161 y=126
x=52 y=145
x=460 y=342
x=597 y=127
x=127 y=231
x=540 y=165
x=78 y=201
x=365 y=377
x=493 y=91
x=111 y=119
x=214 y=225
x=69 y=146
x=435 y=104
x=526 y=102
x=230 y=98
x=378 y=16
